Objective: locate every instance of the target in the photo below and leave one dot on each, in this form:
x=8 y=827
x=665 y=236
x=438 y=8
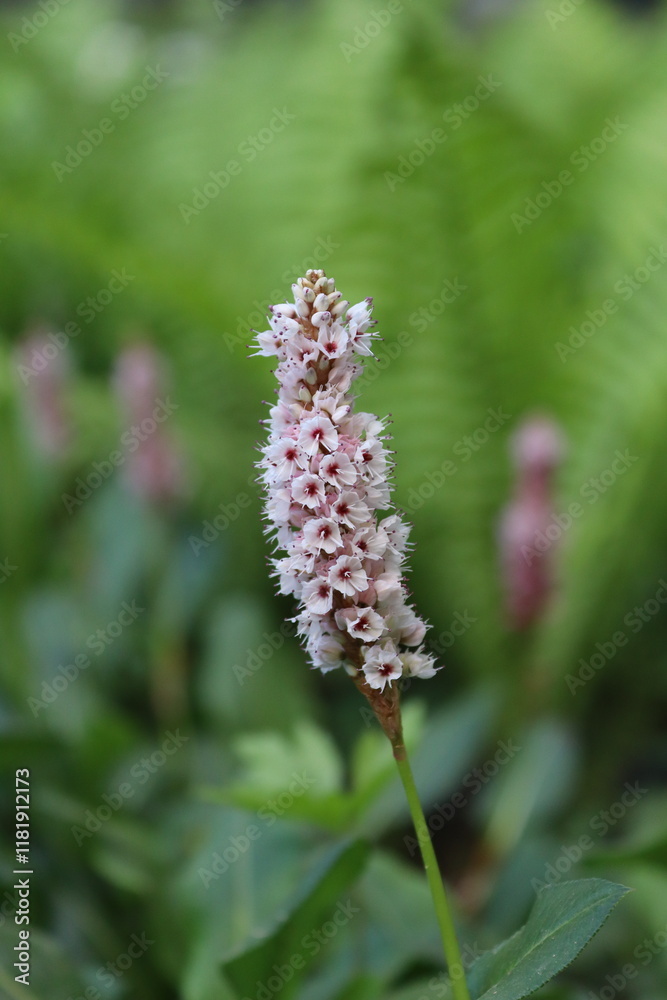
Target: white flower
x=338 y=470
x=318 y=596
x=278 y=506
x=387 y=584
x=382 y=665
x=413 y=632
x=308 y=490
x=322 y=534
x=378 y=496
x=332 y=339
x=361 y=623
x=373 y=457
x=316 y=432
x=333 y=403
x=347 y=576
x=301 y=349
x=418 y=664
x=326 y=652
x=286 y=458
x=369 y=543
x=350 y=510
x=397 y=532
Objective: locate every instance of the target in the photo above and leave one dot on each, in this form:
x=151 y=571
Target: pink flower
x=326 y=652
x=308 y=490
x=318 y=596
x=369 y=543
x=373 y=457
x=417 y=664
x=331 y=340
x=318 y=432
x=325 y=471
x=382 y=665
x=347 y=575
x=338 y=470
x=387 y=584
x=528 y=576
x=350 y=510
x=361 y=623
x=286 y=458
x=322 y=534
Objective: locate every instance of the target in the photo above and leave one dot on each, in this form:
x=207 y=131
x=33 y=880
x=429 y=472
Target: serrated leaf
x=562 y=922
x=271 y=759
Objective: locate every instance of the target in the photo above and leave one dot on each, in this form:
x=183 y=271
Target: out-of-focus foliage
x=193 y=782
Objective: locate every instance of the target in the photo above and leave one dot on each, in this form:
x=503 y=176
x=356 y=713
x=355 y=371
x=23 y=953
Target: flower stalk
x=326 y=472
x=450 y=942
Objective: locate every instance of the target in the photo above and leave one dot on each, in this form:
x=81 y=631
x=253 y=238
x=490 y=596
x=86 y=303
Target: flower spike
x=326 y=473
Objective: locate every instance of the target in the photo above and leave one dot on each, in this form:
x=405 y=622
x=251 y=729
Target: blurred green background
x=203 y=803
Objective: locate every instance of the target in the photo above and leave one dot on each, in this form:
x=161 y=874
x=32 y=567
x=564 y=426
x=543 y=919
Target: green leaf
x=322 y=893
x=534 y=784
x=362 y=988
x=52 y=971
x=274 y=763
x=401 y=925
x=562 y=922
x=271 y=759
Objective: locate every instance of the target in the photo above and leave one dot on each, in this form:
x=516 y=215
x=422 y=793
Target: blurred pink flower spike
x=44 y=374
x=528 y=538
x=154 y=468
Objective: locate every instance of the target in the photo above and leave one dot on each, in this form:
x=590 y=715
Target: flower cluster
x=325 y=469
x=538 y=448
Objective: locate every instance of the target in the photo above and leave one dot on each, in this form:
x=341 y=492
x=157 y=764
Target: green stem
x=435 y=883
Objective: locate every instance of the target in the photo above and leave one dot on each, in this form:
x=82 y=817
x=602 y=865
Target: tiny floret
x=325 y=470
